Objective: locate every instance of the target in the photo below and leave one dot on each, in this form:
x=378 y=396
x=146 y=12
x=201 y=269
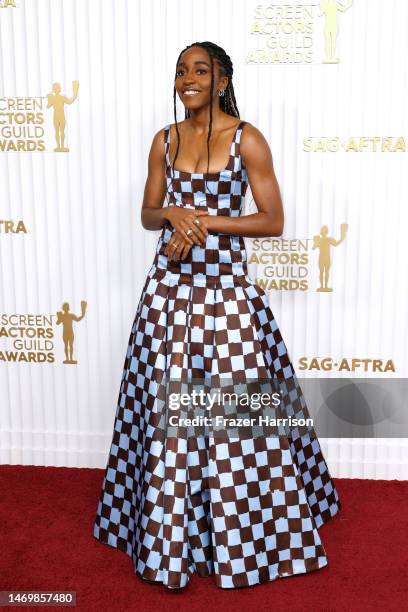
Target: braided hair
x=228 y=102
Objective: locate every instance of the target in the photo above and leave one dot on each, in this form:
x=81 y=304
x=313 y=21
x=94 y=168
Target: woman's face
x=193 y=78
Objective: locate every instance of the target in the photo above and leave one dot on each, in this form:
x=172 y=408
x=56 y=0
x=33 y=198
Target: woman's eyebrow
x=196 y=62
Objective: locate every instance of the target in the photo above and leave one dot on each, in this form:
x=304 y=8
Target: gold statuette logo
x=66 y=318
x=323 y=242
x=330 y=9
x=57 y=101
x=7 y=3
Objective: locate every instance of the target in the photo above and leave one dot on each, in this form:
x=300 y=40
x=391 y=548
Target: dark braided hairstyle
x=228 y=103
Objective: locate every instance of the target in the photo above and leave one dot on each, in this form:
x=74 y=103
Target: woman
x=246 y=510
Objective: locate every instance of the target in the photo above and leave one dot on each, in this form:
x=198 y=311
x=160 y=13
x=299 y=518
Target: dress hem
x=190 y=573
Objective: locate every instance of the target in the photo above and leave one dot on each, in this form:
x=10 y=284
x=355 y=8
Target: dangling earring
x=221 y=92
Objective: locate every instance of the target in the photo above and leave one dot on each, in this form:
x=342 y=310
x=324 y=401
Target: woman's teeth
x=191 y=92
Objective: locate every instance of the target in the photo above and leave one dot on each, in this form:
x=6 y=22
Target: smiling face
x=193 y=78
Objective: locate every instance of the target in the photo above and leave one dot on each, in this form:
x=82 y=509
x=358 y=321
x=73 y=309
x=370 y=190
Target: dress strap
x=167 y=143
x=235 y=152
x=239 y=131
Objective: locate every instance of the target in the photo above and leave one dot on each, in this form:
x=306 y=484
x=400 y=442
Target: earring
x=221 y=92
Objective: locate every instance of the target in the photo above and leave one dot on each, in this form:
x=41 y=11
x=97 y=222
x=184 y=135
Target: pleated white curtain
x=81 y=209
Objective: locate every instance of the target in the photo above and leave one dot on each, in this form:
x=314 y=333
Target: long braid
x=227 y=102
x=211 y=115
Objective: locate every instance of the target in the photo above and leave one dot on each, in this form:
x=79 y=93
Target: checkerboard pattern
x=177 y=502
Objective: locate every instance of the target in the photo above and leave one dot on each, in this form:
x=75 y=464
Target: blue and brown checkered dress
x=245 y=510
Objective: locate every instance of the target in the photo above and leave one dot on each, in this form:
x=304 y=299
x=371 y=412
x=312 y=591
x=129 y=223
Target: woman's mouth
x=190 y=92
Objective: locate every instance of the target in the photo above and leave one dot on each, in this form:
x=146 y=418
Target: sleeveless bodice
x=223 y=257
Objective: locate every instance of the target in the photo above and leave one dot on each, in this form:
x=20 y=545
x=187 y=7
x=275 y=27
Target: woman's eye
x=199 y=70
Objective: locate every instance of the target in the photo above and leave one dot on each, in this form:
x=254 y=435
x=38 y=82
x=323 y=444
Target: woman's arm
x=153 y=215
x=268 y=221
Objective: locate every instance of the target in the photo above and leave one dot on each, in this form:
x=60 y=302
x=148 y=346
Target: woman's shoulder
x=253 y=144
x=251 y=133
x=250 y=128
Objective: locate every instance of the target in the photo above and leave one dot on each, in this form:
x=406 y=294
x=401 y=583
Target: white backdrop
x=70 y=226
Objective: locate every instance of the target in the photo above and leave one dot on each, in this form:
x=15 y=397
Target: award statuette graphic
x=58 y=101
x=6 y=3
x=66 y=318
x=323 y=242
x=330 y=8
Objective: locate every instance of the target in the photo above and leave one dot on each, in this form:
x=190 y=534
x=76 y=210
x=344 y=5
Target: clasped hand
x=190 y=228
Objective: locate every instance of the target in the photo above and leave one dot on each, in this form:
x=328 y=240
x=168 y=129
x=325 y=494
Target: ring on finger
x=189 y=231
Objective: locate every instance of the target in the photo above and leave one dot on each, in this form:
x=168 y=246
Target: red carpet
x=47 y=518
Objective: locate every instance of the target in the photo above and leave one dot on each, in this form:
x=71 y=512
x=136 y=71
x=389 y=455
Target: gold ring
x=196 y=221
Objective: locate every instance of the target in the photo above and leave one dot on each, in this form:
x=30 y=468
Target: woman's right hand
x=177 y=247
x=187 y=220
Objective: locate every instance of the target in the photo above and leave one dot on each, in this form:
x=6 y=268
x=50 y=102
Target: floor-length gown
x=245 y=510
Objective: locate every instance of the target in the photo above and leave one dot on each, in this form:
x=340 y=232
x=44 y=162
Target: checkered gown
x=245 y=510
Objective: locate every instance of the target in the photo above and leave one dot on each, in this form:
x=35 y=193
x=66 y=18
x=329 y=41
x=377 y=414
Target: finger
x=171 y=247
x=199 y=223
x=194 y=231
x=199 y=230
x=175 y=238
x=168 y=247
x=180 y=247
x=185 y=252
x=183 y=249
x=180 y=236
x=178 y=251
x=188 y=239
x=192 y=236
x=199 y=233
x=173 y=254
